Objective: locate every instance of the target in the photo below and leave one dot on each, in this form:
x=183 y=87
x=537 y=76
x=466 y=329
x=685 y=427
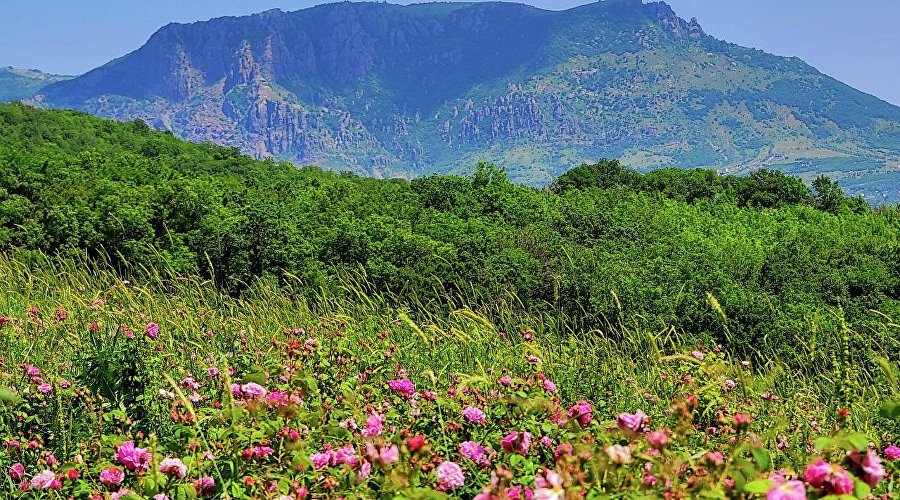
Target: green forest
x=741 y=260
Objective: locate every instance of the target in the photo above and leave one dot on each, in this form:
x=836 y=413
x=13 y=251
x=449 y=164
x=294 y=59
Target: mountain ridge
x=389 y=90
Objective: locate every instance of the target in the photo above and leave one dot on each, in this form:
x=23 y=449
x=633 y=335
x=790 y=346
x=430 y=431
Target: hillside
x=387 y=90
x=604 y=241
x=16 y=84
x=179 y=321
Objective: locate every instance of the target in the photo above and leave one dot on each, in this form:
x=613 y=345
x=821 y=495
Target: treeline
x=601 y=243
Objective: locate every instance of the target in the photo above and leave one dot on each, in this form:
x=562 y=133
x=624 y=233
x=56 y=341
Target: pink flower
x=519 y=492
x=45 y=480
x=632 y=423
x=320 y=460
x=112 y=476
x=658 y=439
x=213 y=372
x=892 y=452
x=618 y=454
x=697 y=355
x=474 y=415
x=785 y=490
x=252 y=390
x=548 y=385
x=173 y=467
x=474 y=452
x=389 y=455
x=205 y=486
x=549 y=486
x=119 y=494
x=582 y=412
x=151 y=330
x=133 y=458
x=403 y=386
x=450 y=476
x=868 y=466
x=832 y=478
x=516 y=442
x=374 y=425
x=16 y=471
x=346 y=455
x=505 y=380
x=45 y=388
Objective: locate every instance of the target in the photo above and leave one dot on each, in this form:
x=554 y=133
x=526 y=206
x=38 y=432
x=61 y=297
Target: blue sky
x=855 y=41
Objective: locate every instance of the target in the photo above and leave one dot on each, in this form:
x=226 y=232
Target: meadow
x=180 y=321
x=164 y=387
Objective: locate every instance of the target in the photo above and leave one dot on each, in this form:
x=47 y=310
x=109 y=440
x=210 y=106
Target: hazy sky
x=855 y=41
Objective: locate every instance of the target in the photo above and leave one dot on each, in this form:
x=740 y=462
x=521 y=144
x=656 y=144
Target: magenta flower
x=832 y=478
x=173 y=467
x=867 y=466
x=581 y=412
x=403 y=386
x=474 y=452
x=112 y=476
x=45 y=480
x=16 y=471
x=320 y=460
x=450 y=476
x=45 y=388
x=892 y=452
x=374 y=425
x=474 y=415
x=205 y=486
x=786 y=490
x=548 y=385
x=516 y=442
x=252 y=390
x=151 y=330
x=133 y=458
x=632 y=423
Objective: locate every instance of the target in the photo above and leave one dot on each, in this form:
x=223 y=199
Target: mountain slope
x=18 y=83
x=391 y=90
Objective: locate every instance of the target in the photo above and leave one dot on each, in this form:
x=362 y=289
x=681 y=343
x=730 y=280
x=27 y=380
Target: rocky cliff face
x=393 y=90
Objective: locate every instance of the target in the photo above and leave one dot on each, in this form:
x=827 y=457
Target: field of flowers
x=169 y=389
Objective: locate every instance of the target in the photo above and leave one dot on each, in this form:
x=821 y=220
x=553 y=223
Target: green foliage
x=604 y=243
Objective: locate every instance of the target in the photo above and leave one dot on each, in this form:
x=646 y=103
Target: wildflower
x=403 y=386
x=729 y=385
x=658 y=439
x=474 y=452
x=64 y=384
x=892 y=452
x=533 y=359
x=741 y=420
x=632 y=423
x=133 y=458
x=868 y=466
x=474 y=415
x=45 y=388
x=252 y=390
x=715 y=458
x=205 y=486
x=618 y=454
x=173 y=467
x=16 y=471
x=783 y=489
x=45 y=480
x=119 y=494
x=549 y=486
x=389 y=455
x=151 y=330
x=546 y=442
x=505 y=380
x=415 y=443
x=832 y=478
x=698 y=355
x=450 y=476
x=519 y=492
x=516 y=442
x=548 y=385
x=213 y=372
x=320 y=460
x=581 y=412
x=112 y=476
x=374 y=425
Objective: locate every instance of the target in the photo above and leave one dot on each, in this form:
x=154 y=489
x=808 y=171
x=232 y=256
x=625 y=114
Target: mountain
x=389 y=90
x=18 y=83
